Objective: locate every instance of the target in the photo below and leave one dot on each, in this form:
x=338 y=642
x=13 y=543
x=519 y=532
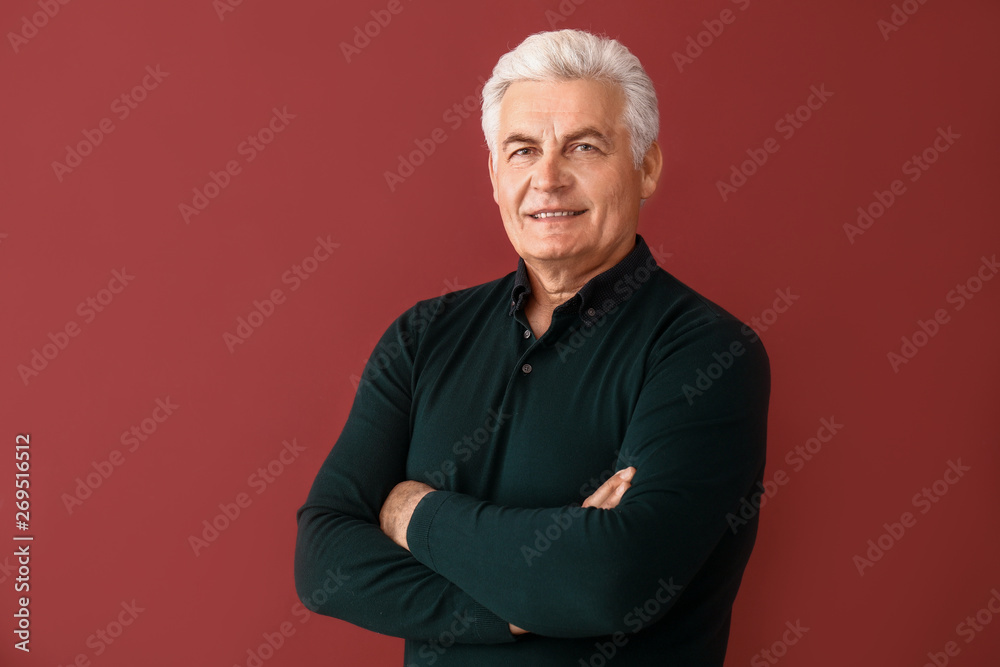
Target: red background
x=324 y=176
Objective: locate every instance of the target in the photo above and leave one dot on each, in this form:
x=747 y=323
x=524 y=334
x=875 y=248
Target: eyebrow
x=520 y=138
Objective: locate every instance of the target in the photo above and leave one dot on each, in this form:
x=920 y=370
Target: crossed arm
x=414 y=559
x=394 y=518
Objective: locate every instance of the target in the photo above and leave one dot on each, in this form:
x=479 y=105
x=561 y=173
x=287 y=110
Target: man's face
x=563 y=148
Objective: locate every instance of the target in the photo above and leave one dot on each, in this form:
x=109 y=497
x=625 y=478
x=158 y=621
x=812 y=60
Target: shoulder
x=686 y=319
x=453 y=308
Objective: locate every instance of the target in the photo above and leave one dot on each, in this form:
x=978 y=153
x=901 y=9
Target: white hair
x=568 y=55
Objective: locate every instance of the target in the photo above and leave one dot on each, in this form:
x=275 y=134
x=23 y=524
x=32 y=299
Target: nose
x=550 y=173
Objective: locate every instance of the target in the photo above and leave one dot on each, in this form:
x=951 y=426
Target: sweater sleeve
x=345 y=566
x=698 y=446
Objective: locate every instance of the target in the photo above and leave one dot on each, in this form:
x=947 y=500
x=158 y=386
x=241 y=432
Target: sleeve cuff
x=419 y=529
x=484 y=625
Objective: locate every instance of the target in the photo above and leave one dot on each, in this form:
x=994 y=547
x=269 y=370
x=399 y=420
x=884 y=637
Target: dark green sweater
x=516 y=431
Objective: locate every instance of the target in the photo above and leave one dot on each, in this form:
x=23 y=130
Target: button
x=591 y=312
x=527 y=333
x=526 y=368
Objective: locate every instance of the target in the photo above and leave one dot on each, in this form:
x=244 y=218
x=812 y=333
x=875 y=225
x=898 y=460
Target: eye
x=521 y=151
x=588 y=148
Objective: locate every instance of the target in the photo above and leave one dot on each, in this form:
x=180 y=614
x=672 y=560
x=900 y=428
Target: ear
x=652 y=165
x=493 y=178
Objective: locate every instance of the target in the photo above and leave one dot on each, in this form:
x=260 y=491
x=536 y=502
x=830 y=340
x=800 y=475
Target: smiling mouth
x=556 y=214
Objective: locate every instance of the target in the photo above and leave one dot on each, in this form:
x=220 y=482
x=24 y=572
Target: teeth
x=553 y=215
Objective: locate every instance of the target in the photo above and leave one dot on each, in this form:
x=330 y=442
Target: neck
x=554 y=283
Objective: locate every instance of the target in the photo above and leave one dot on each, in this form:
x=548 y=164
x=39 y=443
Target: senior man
x=471 y=503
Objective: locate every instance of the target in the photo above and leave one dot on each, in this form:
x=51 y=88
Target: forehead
x=561 y=105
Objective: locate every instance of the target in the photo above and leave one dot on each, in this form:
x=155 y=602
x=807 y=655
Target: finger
x=597 y=497
x=606 y=492
x=617 y=497
x=602 y=494
x=604 y=497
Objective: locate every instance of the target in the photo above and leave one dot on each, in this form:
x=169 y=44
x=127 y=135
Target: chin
x=552 y=246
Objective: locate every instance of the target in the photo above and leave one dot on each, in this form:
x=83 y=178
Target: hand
x=610 y=493
x=394 y=517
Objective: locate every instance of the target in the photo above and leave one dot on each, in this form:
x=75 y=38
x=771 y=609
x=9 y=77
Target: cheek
x=511 y=191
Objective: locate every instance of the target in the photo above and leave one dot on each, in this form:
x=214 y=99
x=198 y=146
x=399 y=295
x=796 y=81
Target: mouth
x=556 y=213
